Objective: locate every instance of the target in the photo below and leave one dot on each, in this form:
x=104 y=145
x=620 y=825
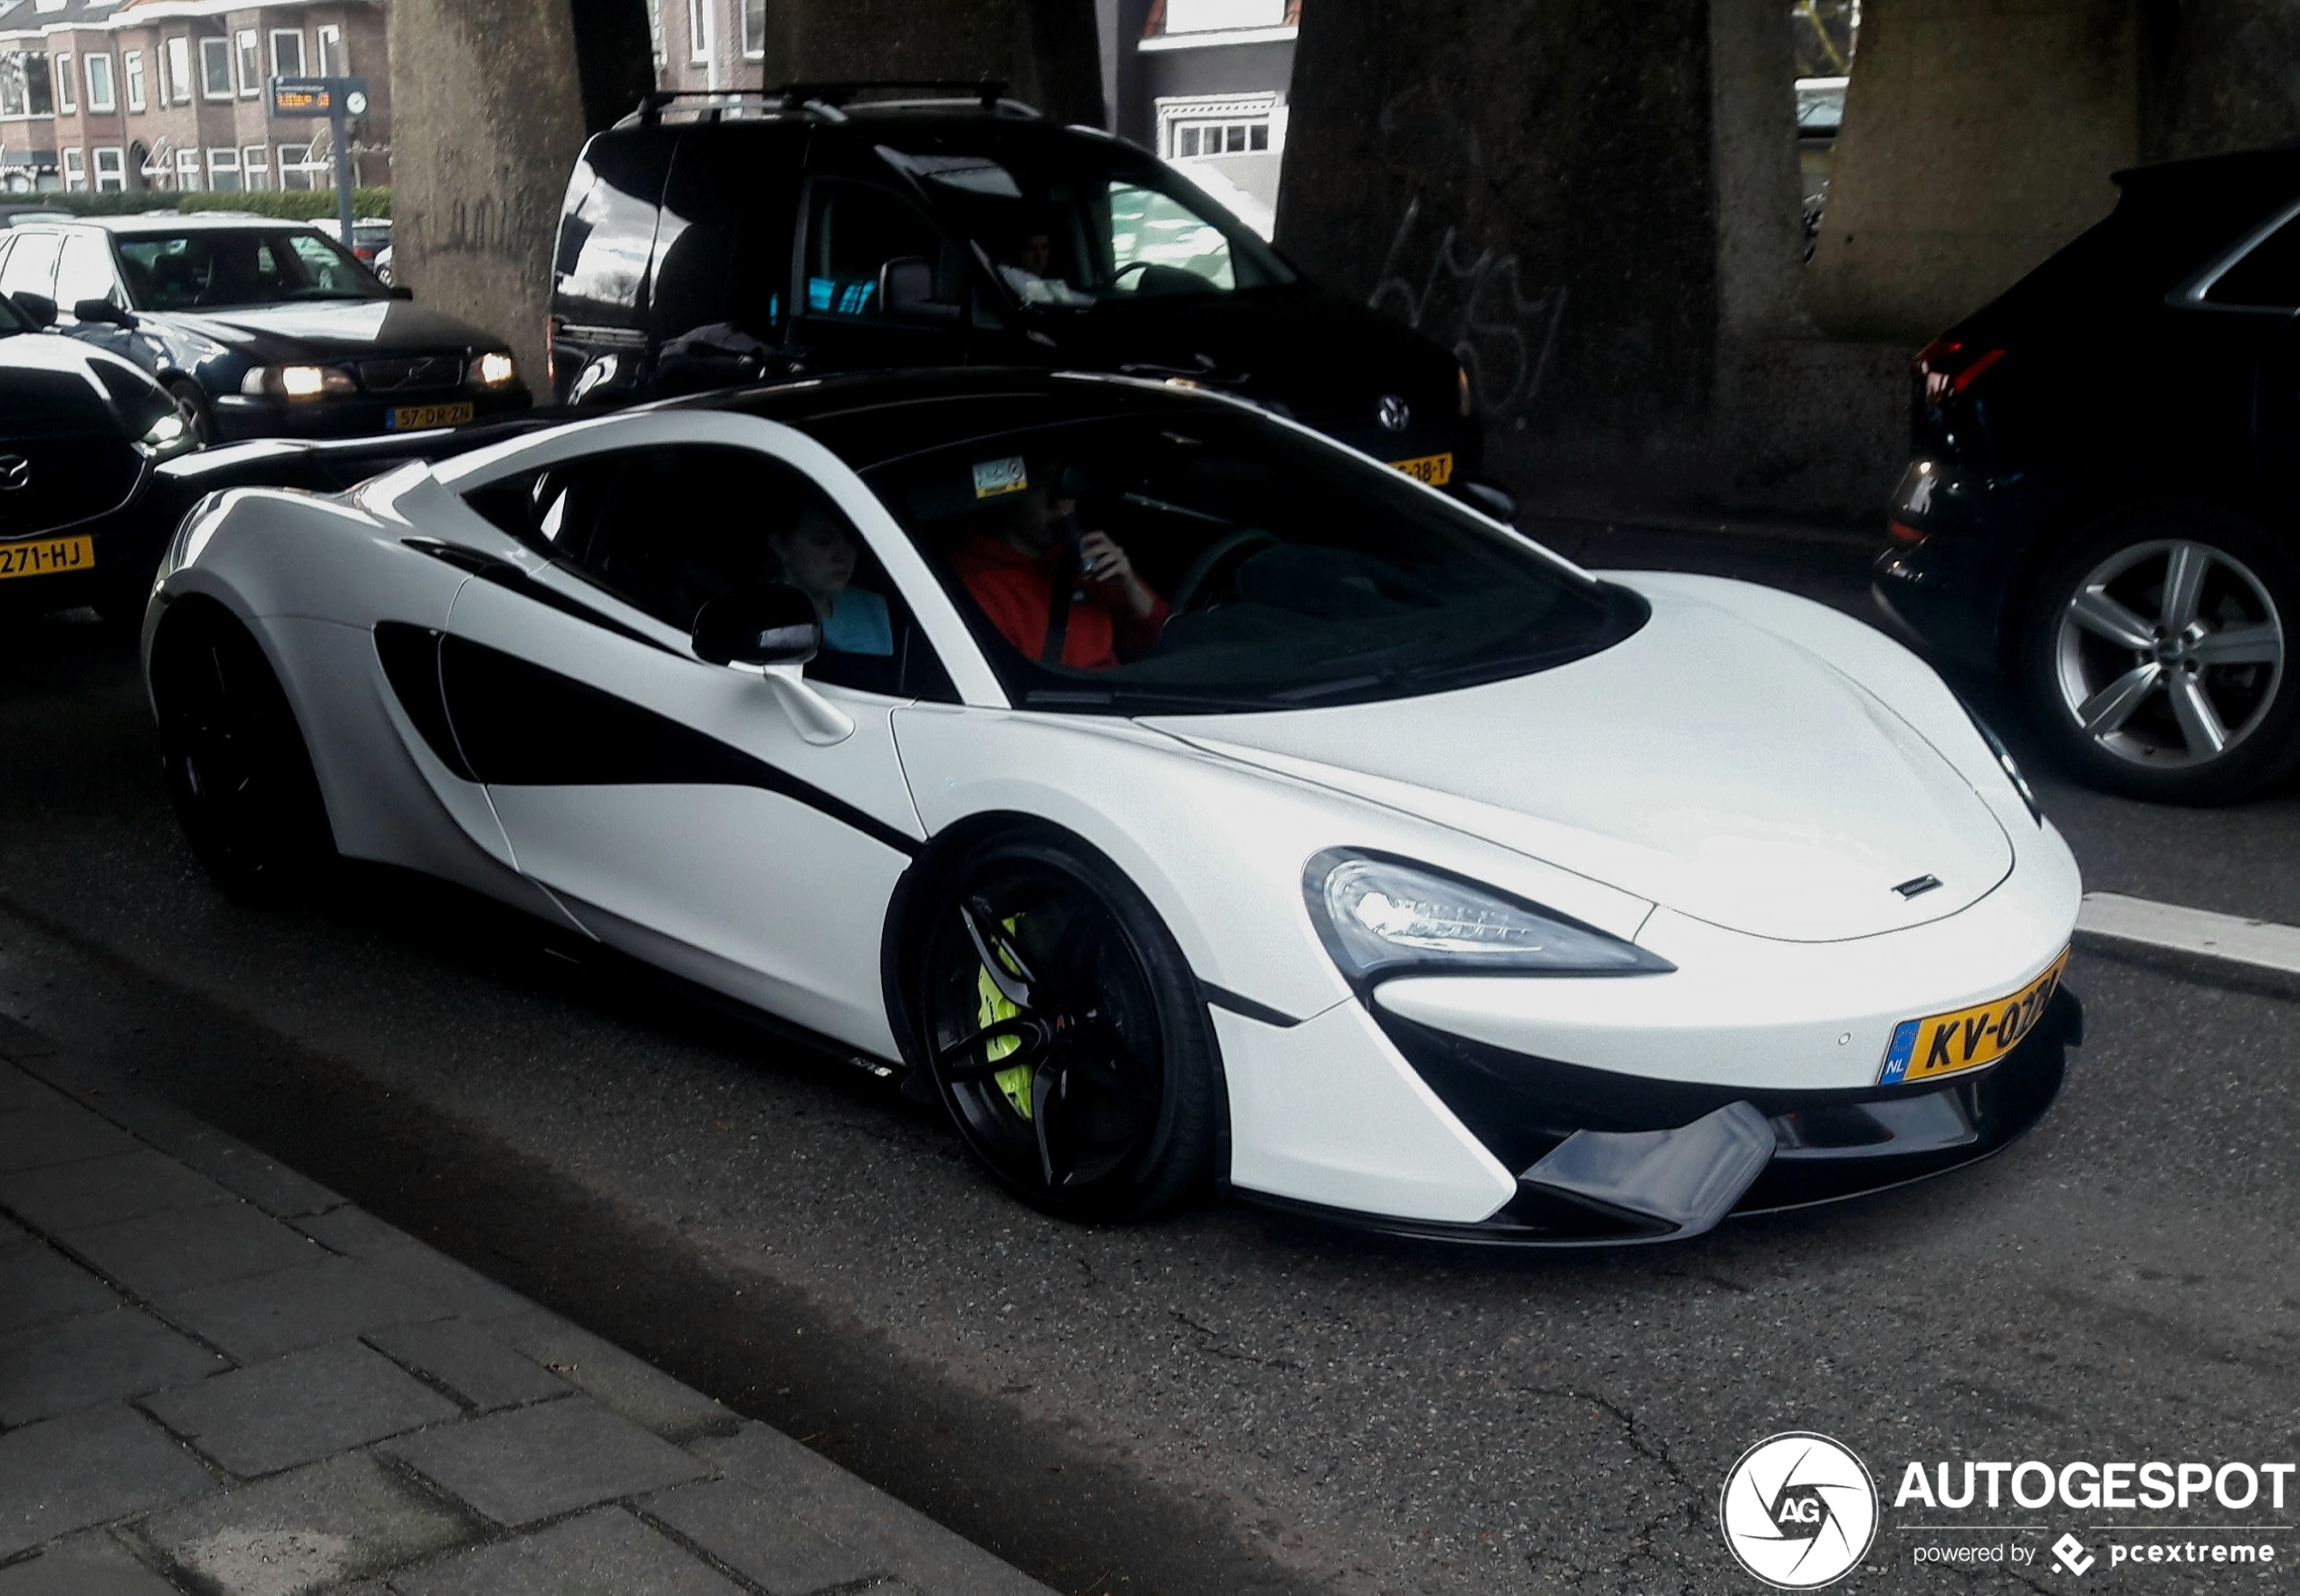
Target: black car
x=2103 y=500
x=261 y=329
x=82 y=432
x=829 y=227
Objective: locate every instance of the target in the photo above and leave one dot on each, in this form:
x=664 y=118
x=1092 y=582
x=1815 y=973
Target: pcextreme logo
x=1800 y=1511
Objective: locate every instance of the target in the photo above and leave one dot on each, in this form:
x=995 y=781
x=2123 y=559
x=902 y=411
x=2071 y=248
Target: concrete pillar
x=2219 y=76
x=488 y=119
x=1531 y=184
x=1978 y=138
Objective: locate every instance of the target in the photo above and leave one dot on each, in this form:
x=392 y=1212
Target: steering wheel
x=1123 y=272
x=1191 y=588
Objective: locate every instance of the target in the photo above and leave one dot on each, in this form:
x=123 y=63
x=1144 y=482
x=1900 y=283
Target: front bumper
x=127 y=543
x=1607 y=1159
x=240 y=417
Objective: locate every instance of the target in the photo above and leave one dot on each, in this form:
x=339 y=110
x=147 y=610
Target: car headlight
x=494 y=370
x=297 y=382
x=167 y=437
x=1380 y=916
x=2005 y=762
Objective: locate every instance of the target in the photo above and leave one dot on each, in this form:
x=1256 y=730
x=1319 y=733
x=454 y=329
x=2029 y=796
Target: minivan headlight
x=1379 y=916
x=297 y=382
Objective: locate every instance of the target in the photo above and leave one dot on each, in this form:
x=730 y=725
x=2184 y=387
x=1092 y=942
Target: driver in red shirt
x=1058 y=595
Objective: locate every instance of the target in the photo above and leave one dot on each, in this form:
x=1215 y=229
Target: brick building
x=111 y=95
x=709 y=43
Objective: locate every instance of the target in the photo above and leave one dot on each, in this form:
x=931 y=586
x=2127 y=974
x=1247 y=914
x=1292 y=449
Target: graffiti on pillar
x=1476 y=307
x=1447 y=280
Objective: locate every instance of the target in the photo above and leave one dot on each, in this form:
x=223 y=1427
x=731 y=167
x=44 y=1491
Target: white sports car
x=1187 y=800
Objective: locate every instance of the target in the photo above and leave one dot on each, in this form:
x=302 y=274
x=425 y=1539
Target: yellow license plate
x=1950 y=1043
x=46 y=556
x=415 y=417
x=1437 y=470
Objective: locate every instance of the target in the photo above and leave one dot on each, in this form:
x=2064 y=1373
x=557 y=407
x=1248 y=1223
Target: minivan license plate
x=415 y=417
x=1437 y=470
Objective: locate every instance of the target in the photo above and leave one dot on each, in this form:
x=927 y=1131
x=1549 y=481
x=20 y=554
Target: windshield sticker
x=993 y=477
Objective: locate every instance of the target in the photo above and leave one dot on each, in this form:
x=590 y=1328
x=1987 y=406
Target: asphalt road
x=1226 y=1401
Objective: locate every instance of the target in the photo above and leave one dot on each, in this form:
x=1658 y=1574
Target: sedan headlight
x=167 y=437
x=297 y=382
x=494 y=370
x=1380 y=916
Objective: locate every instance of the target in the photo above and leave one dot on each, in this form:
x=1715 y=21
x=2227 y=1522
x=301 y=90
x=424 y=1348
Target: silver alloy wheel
x=2168 y=653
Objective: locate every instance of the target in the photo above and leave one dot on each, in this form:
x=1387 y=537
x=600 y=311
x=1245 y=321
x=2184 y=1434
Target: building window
x=655 y=33
x=1244 y=124
x=75 y=171
x=175 y=88
x=754 y=29
x=698 y=31
x=251 y=63
x=224 y=170
x=255 y=167
x=216 y=68
x=111 y=171
x=132 y=69
x=187 y=171
x=287 y=52
x=299 y=170
x=24 y=88
x=331 y=52
x=66 y=100
x=101 y=95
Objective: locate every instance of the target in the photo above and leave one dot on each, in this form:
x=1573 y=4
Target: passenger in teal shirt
x=817 y=557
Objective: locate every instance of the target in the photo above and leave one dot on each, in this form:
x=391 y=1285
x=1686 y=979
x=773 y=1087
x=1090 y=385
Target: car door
x=745 y=829
x=720 y=313
x=850 y=229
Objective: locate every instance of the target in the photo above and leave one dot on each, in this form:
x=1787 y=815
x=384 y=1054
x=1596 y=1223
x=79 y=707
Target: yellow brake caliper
x=1014 y=1083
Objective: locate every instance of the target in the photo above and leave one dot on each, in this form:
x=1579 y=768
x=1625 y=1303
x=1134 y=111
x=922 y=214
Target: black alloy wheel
x=2155 y=657
x=237 y=769
x=1066 y=1035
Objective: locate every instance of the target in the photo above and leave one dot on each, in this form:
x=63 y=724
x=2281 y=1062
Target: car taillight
x=1948 y=368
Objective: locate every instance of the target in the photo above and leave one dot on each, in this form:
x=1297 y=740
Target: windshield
x=1073 y=223
x=211 y=268
x=1206 y=560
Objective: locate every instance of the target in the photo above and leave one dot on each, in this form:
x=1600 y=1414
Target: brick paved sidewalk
x=216 y=1376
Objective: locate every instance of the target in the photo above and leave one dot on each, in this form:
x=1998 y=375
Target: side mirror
x=906 y=293
x=38 y=309
x=778 y=627
x=1488 y=499
x=105 y=312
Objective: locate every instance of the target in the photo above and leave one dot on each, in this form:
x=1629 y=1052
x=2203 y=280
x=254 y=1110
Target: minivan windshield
x=212 y=267
x=1073 y=224
x=1206 y=560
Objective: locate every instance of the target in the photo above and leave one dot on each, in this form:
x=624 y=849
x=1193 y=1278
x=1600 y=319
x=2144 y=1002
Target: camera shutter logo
x=1799 y=1511
x=15 y=473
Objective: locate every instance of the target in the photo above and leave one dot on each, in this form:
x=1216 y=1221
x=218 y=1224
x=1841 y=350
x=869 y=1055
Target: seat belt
x=1057 y=621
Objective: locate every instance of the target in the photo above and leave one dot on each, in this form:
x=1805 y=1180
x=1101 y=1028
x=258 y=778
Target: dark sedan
x=81 y=433
x=2102 y=499
x=260 y=329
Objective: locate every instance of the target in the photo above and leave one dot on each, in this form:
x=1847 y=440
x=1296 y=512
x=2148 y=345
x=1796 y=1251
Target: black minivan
x=835 y=227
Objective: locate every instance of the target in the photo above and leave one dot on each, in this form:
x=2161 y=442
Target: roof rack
x=830 y=99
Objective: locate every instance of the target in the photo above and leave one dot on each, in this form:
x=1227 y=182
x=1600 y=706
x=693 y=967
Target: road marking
x=2261 y=944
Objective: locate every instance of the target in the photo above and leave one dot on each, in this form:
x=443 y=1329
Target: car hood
x=1327 y=358
x=59 y=388
x=1704 y=763
x=353 y=328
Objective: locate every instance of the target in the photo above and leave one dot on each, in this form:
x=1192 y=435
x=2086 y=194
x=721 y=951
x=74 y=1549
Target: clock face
x=356 y=103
